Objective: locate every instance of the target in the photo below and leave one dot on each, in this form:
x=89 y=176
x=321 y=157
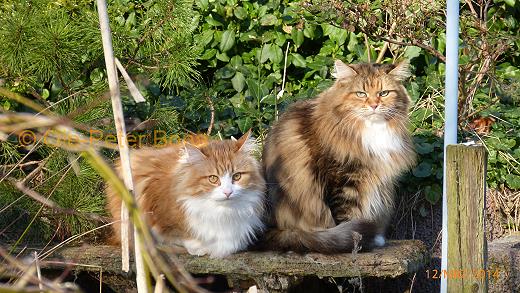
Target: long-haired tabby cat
x=331 y=162
x=208 y=196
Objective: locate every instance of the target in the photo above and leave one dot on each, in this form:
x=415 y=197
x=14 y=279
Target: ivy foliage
x=248 y=44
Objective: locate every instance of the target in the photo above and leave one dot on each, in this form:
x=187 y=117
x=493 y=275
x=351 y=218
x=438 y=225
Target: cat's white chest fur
x=379 y=139
x=220 y=230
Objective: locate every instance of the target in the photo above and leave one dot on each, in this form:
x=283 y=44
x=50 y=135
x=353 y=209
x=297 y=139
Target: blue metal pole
x=450 y=113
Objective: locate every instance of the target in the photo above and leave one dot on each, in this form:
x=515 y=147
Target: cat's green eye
x=237 y=176
x=383 y=93
x=213 y=179
x=361 y=94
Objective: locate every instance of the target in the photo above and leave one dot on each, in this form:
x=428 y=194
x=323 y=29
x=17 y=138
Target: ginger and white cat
x=209 y=196
x=331 y=162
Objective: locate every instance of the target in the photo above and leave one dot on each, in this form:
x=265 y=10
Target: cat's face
x=370 y=92
x=222 y=171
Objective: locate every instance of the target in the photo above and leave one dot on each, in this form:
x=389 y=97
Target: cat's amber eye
x=383 y=93
x=361 y=94
x=213 y=179
x=237 y=176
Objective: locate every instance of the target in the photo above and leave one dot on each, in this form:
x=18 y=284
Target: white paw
x=379 y=240
x=219 y=254
x=195 y=247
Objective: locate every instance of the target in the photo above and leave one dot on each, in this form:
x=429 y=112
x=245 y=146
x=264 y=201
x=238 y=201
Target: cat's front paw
x=195 y=247
x=219 y=254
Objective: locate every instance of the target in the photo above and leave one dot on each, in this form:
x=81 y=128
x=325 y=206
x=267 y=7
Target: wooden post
x=466 y=192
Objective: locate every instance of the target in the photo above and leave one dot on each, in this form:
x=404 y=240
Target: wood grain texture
x=399 y=257
x=466 y=189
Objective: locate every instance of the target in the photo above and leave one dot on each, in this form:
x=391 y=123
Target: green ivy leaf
x=297 y=37
x=275 y=54
x=422 y=170
x=510 y=2
x=222 y=57
x=266 y=52
x=256 y=90
x=225 y=72
x=210 y=20
x=412 y=52
x=237 y=100
x=513 y=181
x=424 y=148
x=309 y=30
x=510 y=71
x=268 y=20
x=203 y=4
x=238 y=81
x=298 y=60
x=433 y=193
x=208 y=54
x=245 y=123
x=227 y=41
x=205 y=37
x=236 y=61
x=340 y=36
x=240 y=13
x=352 y=42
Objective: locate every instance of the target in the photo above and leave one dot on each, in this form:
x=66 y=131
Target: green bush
x=231 y=59
x=243 y=61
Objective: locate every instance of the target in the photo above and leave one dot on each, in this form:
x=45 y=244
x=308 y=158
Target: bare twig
x=159 y=284
x=134 y=92
x=212 y=119
x=367 y=45
x=430 y=49
x=281 y=92
x=23 y=268
x=38 y=270
x=386 y=44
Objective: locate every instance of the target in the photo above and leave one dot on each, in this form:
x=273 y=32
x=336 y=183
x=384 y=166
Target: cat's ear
x=246 y=143
x=191 y=154
x=401 y=71
x=342 y=70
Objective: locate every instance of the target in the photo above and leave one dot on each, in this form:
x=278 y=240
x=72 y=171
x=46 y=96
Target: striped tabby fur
x=331 y=162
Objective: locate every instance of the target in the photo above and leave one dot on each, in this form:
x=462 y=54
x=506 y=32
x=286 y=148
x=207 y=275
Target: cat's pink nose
x=374 y=106
x=227 y=193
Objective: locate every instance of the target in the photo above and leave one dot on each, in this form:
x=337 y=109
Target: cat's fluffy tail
x=342 y=238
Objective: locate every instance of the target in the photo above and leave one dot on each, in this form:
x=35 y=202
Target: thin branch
x=385 y=46
x=212 y=119
x=281 y=92
x=430 y=49
x=38 y=270
x=21 y=267
x=367 y=45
